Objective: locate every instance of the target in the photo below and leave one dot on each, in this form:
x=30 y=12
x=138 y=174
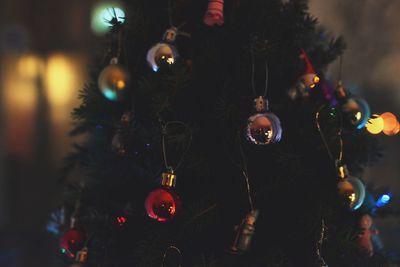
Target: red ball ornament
x=72 y=241
x=162 y=204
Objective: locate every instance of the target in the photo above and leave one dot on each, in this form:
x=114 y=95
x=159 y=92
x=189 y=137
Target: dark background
x=45 y=48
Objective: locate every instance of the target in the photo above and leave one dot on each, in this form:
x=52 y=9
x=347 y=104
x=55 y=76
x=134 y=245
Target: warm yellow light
x=316 y=79
x=375 y=124
x=358 y=116
x=120 y=85
x=60 y=79
x=30 y=66
x=170 y=60
x=342 y=172
x=352 y=197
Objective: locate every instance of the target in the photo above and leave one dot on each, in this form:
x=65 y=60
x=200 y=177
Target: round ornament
x=71 y=242
x=162 y=204
x=161 y=54
x=356 y=111
x=113 y=81
x=352 y=192
x=264 y=129
x=118 y=145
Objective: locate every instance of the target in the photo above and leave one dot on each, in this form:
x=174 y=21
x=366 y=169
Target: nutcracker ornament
x=215 y=13
x=244 y=233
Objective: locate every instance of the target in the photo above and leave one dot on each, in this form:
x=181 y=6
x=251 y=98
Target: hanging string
x=320 y=243
x=164 y=134
x=170 y=13
x=321 y=133
x=246 y=175
x=253 y=86
x=166 y=252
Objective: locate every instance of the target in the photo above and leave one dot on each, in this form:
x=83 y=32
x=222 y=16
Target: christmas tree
x=215 y=139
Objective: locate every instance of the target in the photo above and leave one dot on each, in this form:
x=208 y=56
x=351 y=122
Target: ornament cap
x=168 y=179
x=114 y=61
x=261 y=104
x=341 y=91
x=342 y=170
x=170 y=35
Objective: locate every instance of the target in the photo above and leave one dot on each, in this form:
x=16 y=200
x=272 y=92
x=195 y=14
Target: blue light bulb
x=383 y=200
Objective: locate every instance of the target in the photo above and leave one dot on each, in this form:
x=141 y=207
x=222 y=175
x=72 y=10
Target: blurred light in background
x=32 y=84
x=375 y=124
x=60 y=79
x=103 y=13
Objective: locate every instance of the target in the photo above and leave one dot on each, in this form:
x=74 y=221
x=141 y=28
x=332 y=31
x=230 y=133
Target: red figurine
x=364 y=240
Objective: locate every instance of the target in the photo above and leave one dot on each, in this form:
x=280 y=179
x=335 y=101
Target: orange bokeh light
x=391 y=124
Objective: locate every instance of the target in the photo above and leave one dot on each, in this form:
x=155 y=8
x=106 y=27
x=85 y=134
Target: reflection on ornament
x=357 y=111
x=162 y=54
x=71 y=242
x=375 y=124
x=352 y=192
x=391 y=124
x=162 y=204
x=264 y=129
x=121 y=220
x=113 y=81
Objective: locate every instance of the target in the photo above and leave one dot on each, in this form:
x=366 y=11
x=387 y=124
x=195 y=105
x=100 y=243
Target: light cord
x=320 y=243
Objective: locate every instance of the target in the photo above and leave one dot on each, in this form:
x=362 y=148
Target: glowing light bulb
x=383 y=200
x=375 y=124
x=391 y=124
x=103 y=13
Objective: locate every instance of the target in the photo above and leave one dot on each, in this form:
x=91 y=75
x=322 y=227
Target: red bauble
x=162 y=204
x=71 y=242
